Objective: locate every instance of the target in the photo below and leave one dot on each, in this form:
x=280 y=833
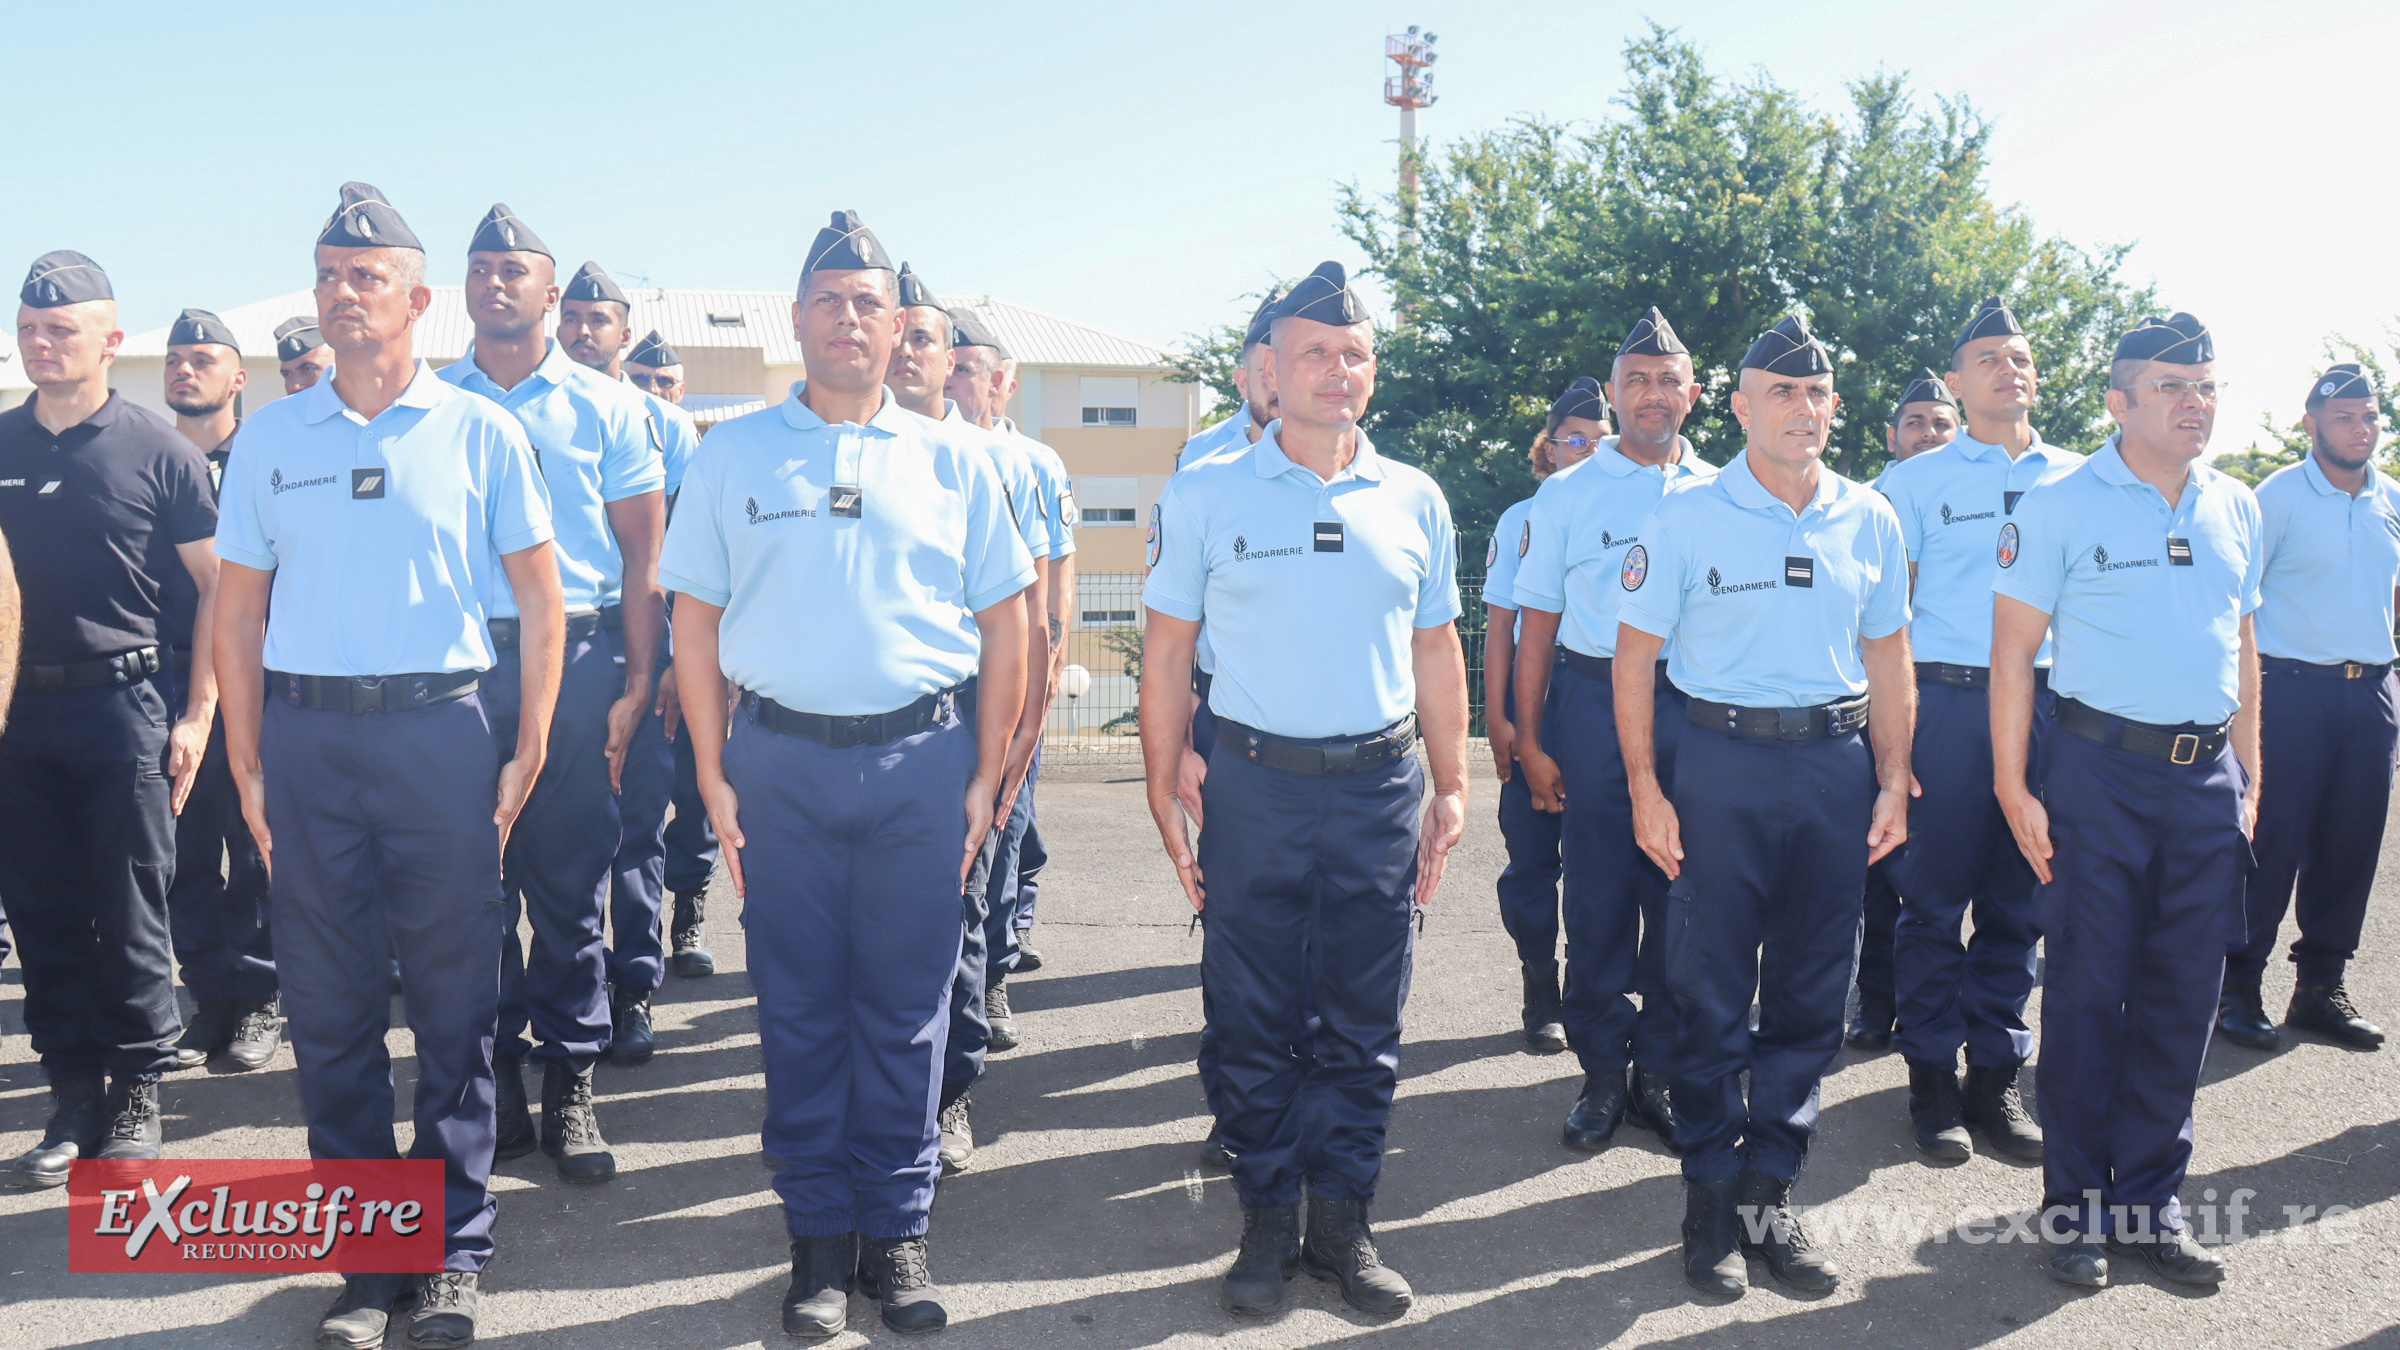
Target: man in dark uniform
x=301 y=354
x=217 y=908
x=2141 y=568
x=1785 y=589
x=2327 y=731
x=862 y=796
x=607 y=482
x=373 y=508
x=1925 y=418
x=1327 y=577
x=99 y=500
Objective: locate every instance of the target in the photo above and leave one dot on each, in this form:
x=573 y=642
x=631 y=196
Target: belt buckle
x=850 y=732
x=366 y=696
x=1796 y=724
x=2185 y=750
x=1343 y=758
x=2352 y=670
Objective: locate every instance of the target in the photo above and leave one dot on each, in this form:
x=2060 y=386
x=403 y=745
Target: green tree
x=1727 y=204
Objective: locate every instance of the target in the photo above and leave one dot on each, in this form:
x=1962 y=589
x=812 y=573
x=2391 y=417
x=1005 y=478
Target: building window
x=1110 y=400
x=1108 y=501
x=1107 y=618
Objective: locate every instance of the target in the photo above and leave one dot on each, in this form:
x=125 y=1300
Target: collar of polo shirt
x=321 y=400
x=1269 y=461
x=1751 y=495
x=2109 y=463
x=2315 y=474
x=1618 y=466
x=890 y=417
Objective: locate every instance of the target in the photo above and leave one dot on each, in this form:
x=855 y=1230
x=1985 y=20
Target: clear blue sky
x=1140 y=167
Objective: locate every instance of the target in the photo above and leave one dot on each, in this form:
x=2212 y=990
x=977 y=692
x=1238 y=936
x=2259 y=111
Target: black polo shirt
x=93 y=519
x=180 y=601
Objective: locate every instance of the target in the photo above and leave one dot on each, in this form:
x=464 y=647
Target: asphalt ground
x=1086 y=1220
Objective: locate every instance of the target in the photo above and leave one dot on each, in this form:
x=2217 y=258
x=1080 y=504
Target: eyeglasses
x=1578 y=442
x=2173 y=390
x=655 y=381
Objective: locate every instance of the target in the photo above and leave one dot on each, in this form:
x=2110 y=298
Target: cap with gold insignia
x=501 y=232
x=846 y=245
x=365 y=220
x=2346 y=379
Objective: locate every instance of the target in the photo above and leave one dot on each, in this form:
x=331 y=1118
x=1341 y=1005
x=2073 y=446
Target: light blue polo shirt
x=844 y=615
x=1585 y=521
x=1230 y=436
x=1766 y=606
x=2332 y=560
x=1953 y=501
x=384 y=536
x=591 y=438
x=1025 y=501
x=1502 y=556
x=1311 y=590
x=2145 y=600
x=1058 y=489
x=676 y=435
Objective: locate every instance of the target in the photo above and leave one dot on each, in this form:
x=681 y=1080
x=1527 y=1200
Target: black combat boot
x=1545 y=1032
x=1599 y=1108
x=691 y=960
x=958 y=1133
x=510 y=1112
x=2326 y=1009
x=1269 y=1258
x=2242 y=1018
x=895 y=1273
x=1712 y=1238
x=1213 y=1153
x=78 y=1122
x=630 y=1042
x=444 y=1318
x=2079 y=1261
x=2173 y=1256
x=1771 y=1233
x=1992 y=1106
x=1652 y=1106
x=824 y=1271
x=996 y=1014
x=362 y=1311
x=1936 y=1114
x=1871 y=1026
x=134 y=1131
x=257 y=1030
x=1340 y=1248
x=211 y=1030
x=570 y=1128
x=1028 y=960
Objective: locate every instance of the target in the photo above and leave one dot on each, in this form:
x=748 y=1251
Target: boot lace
x=141 y=1105
x=2338 y=999
x=906 y=1267
x=995 y=1003
x=577 y=1126
x=446 y=1290
x=256 y=1024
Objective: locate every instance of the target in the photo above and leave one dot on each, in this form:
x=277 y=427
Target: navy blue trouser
x=1875 y=935
x=1769 y=901
x=1961 y=859
x=2328 y=749
x=384 y=845
x=2147 y=871
x=1295 y=863
x=87 y=852
x=1032 y=855
x=1528 y=885
x=854 y=930
x=1615 y=896
x=987 y=929
x=217 y=909
x=691 y=840
x=560 y=857
x=638 y=876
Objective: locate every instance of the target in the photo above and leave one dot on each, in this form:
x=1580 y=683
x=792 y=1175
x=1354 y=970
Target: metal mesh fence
x=1100 y=727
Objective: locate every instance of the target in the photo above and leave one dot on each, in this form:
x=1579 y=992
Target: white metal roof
x=760 y=319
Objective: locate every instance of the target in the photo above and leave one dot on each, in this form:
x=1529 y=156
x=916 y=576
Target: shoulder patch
x=1637 y=567
x=1525 y=540
x=2008 y=544
x=1154 y=534
x=1491 y=552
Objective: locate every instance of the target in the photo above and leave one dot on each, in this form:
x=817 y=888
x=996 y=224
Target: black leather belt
x=844 y=732
x=1323 y=756
x=1970 y=677
x=388 y=693
x=2339 y=670
x=123 y=668
x=1779 y=724
x=581 y=624
x=1598 y=667
x=2186 y=744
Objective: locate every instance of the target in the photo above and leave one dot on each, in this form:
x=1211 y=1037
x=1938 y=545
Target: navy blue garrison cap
x=1582 y=399
x=1262 y=323
x=1992 y=319
x=501 y=232
x=2347 y=379
x=846 y=245
x=64 y=277
x=654 y=351
x=1653 y=336
x=2177 y=340
x=295 y=338
x=914 y=291
x=196 y=326
x=1324 y=296
x=365 y=220
x=1788 y=349
x=592 y=282
x=967 y=330
x=1926 y=388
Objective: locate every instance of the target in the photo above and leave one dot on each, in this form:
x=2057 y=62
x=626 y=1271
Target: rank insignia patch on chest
x=2008 y=544
x=1637 y=567
x=368 y=484
x=1154 y=535
x=845 y=501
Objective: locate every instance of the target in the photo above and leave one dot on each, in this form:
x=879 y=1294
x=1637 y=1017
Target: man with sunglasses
x=1955 y=506
x=594 y=330
x=2140 y=570
x=1582 y=543
x=2325 y=648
